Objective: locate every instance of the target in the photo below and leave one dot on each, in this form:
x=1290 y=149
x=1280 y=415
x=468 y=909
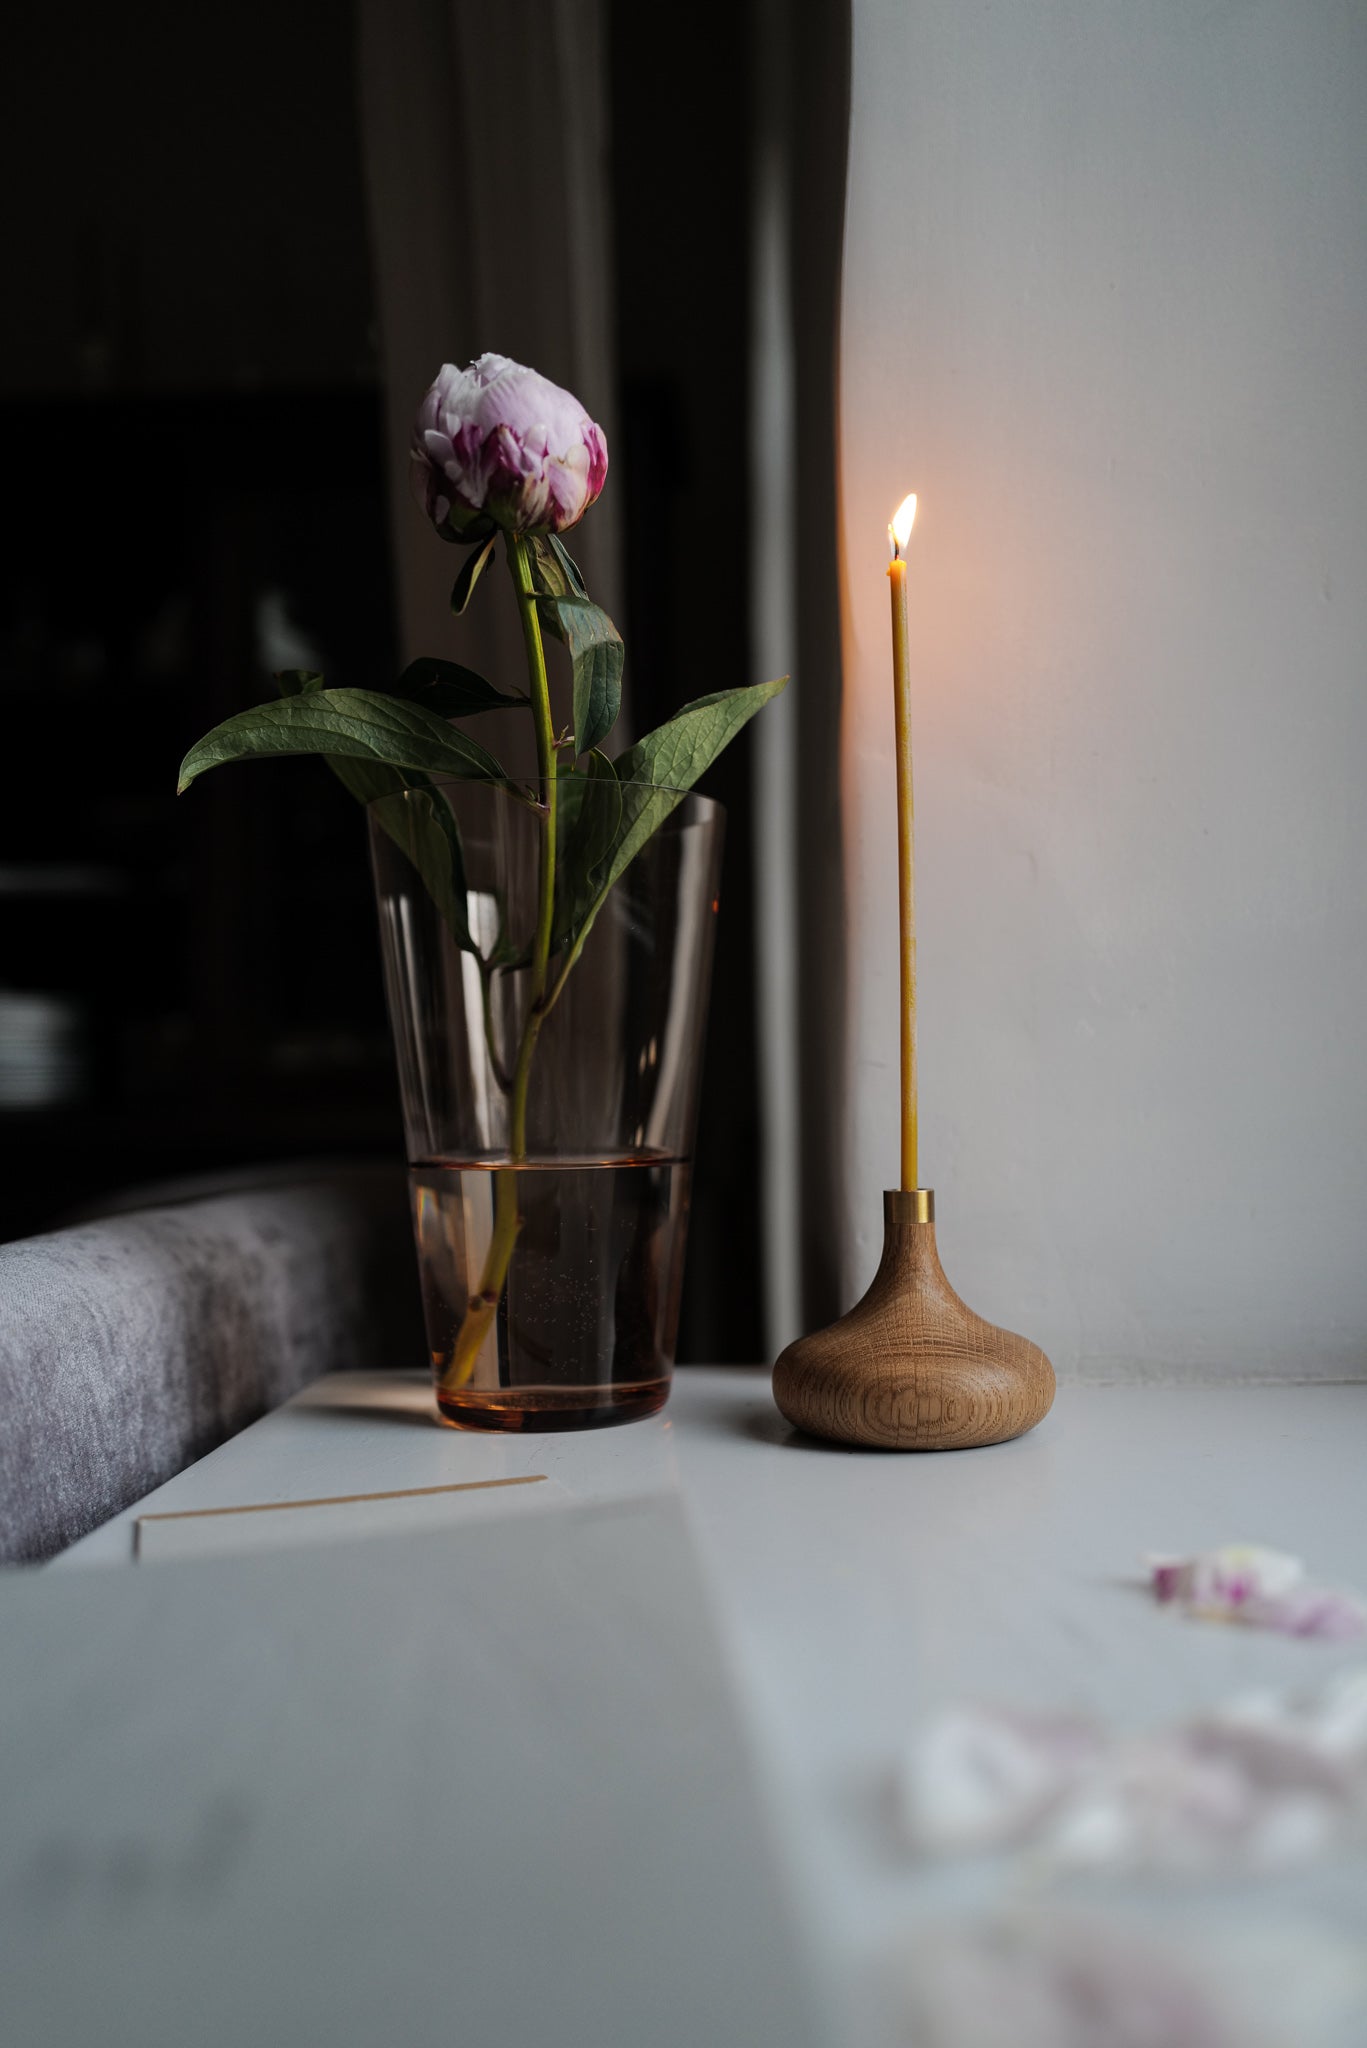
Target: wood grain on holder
x=911 y=1367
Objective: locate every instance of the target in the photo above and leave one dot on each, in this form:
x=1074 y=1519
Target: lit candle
x=899 y=533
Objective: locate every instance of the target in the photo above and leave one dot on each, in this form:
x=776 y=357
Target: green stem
x=520 y=562
x=483 y=1305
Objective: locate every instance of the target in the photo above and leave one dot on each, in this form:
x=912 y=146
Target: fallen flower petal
x=1225 y=1578
x=1047 y=1978
x=1264 y=1784
x=1311 y=1611
x=1261 y=1588
x=981 y=1778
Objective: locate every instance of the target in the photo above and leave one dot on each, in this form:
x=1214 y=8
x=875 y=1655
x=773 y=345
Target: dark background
x=191 y=412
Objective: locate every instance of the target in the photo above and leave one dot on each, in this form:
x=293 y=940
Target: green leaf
x=452 y=691
x=355 y=724
x=423 y=826
x=476 y=562
x=596 y=657
x=594 y=643
x=658 y=771
x=592 y=812
x=653 y=777
x=600 y=810
x=553 y=570
x=420 y=823
x=569 y=567
x=682 y=749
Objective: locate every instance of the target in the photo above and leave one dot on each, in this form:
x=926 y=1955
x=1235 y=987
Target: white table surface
x=859 y=1591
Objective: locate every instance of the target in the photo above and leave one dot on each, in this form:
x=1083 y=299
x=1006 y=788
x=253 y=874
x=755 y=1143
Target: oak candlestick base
x=911 y=1368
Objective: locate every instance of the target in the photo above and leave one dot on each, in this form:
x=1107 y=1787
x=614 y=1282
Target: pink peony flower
x=498 y=445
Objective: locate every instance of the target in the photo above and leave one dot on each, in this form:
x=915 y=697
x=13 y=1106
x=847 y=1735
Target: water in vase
x=586 y=1324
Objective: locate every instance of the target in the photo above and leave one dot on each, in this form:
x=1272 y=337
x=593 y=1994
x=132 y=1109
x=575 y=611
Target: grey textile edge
x=133 y=1345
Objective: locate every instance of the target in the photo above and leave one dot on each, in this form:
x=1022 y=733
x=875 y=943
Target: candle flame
x=903 y=519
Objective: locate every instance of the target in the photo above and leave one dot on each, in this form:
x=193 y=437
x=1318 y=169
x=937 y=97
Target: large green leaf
x=596 y=658
x=600 y=810
x=354 y=724
x=657 y=772
x=594 y=643
x=653 y=777
x=660 y=768
x=591 y=806
x=452 y=691
x=421 y=824
x=685 y=746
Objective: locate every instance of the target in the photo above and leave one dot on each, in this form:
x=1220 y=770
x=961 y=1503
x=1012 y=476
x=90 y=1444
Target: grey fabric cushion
x=131 y=1346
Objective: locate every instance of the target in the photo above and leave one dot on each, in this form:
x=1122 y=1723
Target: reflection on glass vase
x=550 y=1267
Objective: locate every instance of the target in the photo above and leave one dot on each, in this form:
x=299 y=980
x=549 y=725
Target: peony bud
x=497 y=445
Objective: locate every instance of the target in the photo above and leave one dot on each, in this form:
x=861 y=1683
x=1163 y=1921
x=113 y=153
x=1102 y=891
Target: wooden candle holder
x=911 y=1368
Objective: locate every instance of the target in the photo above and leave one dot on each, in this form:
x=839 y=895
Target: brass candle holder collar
x=911 y=1367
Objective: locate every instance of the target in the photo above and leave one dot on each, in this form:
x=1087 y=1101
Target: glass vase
x=551 y=1268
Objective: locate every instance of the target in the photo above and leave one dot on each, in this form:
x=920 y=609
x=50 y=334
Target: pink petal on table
x=1258 y=1587
x=1311 y=1611
x=1051 y=1978
x=1206 y=1797
x=1262 y=1784
x=981 y=1778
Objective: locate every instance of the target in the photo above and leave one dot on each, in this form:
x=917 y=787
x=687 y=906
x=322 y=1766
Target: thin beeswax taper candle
x=910 y=1367
x=899 y=533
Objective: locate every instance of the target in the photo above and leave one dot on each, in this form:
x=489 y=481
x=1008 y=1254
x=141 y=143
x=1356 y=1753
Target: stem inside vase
x=483 y=1304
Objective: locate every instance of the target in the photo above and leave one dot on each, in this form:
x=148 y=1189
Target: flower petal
x=1261 y=1588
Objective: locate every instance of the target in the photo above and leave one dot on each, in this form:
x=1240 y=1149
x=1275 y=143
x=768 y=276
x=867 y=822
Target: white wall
x=1106 y=311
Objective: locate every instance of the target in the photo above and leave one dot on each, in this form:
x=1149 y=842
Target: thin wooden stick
x=333 y=1500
